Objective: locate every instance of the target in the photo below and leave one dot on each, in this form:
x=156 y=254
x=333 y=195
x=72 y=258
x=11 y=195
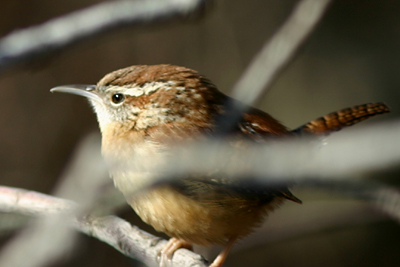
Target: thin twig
x=128 y=239
x=60 y=32
x=335 y=158
x=279 y=51
x=49 y=238
x=25 y=202
x=276 y=54
x=135 y=243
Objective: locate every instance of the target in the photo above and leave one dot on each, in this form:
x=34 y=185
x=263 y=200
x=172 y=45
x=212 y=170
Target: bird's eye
x=117 y=98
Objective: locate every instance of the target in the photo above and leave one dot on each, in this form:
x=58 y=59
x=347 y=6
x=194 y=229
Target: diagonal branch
x=276 y=54
x=279 y=51
x=128 y=239
x=60 y=32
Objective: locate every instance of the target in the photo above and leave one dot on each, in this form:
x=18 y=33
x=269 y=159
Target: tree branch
x=276 y=54
x=279 y=51
x=61 y=32
x=128 y=239
x=20 y=201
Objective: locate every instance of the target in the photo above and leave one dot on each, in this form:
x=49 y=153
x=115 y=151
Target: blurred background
x=352 y=57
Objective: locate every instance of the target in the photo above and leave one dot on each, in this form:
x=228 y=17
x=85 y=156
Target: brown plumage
x=146 y=110
x=335 y=121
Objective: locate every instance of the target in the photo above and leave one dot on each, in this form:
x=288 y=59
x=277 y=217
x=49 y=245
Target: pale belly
x=179 y=216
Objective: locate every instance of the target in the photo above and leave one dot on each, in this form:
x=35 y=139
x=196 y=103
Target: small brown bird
x=147 y=109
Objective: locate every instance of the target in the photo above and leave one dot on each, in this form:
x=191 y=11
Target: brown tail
x=335 y=121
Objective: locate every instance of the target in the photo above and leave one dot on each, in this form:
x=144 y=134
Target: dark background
x=353 y=57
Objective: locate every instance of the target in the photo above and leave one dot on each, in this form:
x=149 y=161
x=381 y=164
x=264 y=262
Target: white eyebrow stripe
x=136 y=90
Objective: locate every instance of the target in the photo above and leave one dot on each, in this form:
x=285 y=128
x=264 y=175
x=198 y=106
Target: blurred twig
x=336 y=163
x=338 y=158
x=279 y=51
x=50 y=237
x=275 y=55
x=60 y=32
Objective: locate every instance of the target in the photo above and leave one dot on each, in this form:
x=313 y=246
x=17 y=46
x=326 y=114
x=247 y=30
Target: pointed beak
x=85 y=90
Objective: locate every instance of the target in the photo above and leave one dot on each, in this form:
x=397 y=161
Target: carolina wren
x=147 y=109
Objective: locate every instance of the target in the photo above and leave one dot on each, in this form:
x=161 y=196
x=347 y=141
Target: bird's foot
x=168 y=250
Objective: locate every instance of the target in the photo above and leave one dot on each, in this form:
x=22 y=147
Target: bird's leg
x=220 y=259
x=168 y=250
